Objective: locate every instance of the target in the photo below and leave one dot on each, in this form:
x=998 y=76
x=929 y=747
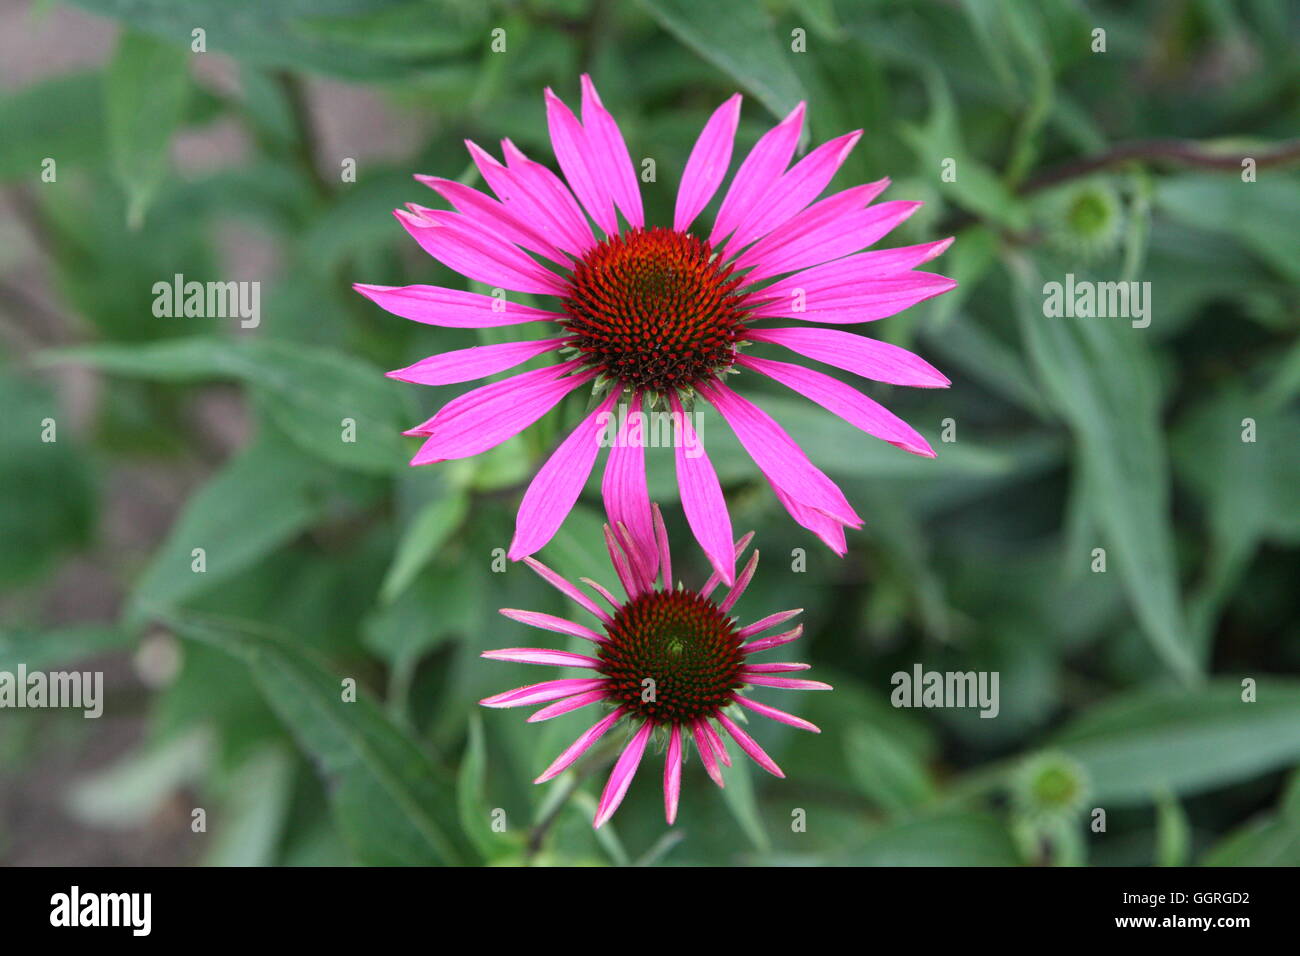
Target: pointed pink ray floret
x=779 y=248
x=675 y=714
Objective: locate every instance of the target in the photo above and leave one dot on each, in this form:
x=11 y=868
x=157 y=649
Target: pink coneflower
x=669 y=660
x=658 y=316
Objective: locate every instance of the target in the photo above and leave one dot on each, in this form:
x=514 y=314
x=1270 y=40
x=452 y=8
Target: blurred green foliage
x=331 y=561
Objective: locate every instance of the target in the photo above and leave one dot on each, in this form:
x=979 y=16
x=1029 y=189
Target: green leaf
x=958 y=839
x=743 y=804
x=61 y=647
x=275 y=490
x=1261 y=215
x=1173 y=834
x=57 y=119
x=319 y=397
x=737 y=37
x=255 y=811
x=885 y=772
x=428 y=532
x=1100 y=378
x=307 y=34
x=394 y=805
x=1184 y=741
x=47 y=505
x=146 y=87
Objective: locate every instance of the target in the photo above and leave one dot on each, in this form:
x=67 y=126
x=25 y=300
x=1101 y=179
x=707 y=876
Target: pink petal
x=842 y=400
x=776 y=640
x=702 y=499
x=707 y=163
x=787 y=683
x=580 y=746
x=665 y=555
x=609 y=155
x=705 y=748
x=714 y=580
x=876 y=299
x=673 y=774
x=620 y=777
x=779 y=715
x=495 y=217
x=829 y=530
x=500 y=411
x=715 y=740
x=855 y=272
x=627 y=576
x=829 y=240
x=569 y=141
x=462 y=245
x=782 y=667
x=858 y=354
x=771 y=620
x=452 y=308
x=536 y=195
x=540 y=693
x=555 y=489
x=750 y=746
x=777 y=454
x=603 y=592
x=549 y=622
x=568 y=589
x=757 y=174
x=541 y=655
x=567 y=705
x=480 y=361
x=795 y=190
x=627 y=500
x=742 y=582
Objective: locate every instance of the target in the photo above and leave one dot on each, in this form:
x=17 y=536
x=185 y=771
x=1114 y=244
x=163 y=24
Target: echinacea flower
x=667 y=659
x=660 y=315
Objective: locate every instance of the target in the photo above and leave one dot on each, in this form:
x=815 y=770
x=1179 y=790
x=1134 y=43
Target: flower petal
x=627 y=500
x=568 y=589
x=854 y=273
x=569 y=141
x=705 y=747
x=874 y=299
x=620 y=778
x=702 y=498
x=842 y=400
x=569 y=704
x=541 y=655
x=496 y=217
x=673 y=774
x=870 y=358
x=757 y=174
x=750 y=746
x=540 y=693
x=479 y=361
x=778 y=715
x=771 y=620
x=707 y=164
x=777 y=454
x=488 y=415
x=609 y=154
x=580 y=746
x=786 y=683
x=549 y=622
x=464 y=246
x=836 y=236
x=776 y=640
x=553 y=492
x=794 y=191
x=452 y=308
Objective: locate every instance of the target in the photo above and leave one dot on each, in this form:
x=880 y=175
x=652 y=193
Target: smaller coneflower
x=669 y=660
